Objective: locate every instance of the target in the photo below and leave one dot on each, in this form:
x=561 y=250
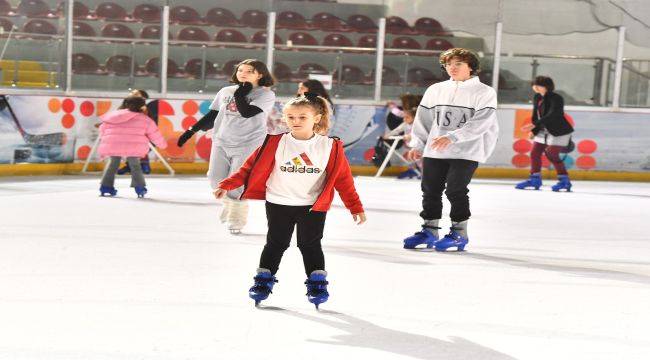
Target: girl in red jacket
x=297 y=173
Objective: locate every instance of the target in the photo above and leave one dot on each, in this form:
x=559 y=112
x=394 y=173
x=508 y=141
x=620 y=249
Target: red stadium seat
x=260 y=38
x=361 y=23
x=6 y=24
x=33 y=8
x=254 y=18
x=193 y=34
x=404 y=42
x=328 y=22
x=389 y=76
x=337 y=40
x=80 y=10
x=5 y=7
x=231 y=36
x=82 y=29
x=281 y=71
x=152 y=67
x=147 y=13
x=428 y=26
x=184 y=15
x=438 y=44
x=111 y=11
x=291 y=20
x=120 y=65
x=39 y=26
x=350 y=74
x=397 y=25
x=221 y=17
x=229 y=67
x=152 y=32
x=84 y=64
x=193 y=68
x=311 y=68
x=421 y=77
x=117 y=31
x=302 y=38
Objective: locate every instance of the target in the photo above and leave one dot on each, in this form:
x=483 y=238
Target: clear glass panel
x=209 y=38
x=635 y=87
x=116 y=45
x=417 y=33
x=32 y=43
x=334 y=43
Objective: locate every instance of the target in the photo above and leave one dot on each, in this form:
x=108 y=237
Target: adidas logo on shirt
x=300 y=164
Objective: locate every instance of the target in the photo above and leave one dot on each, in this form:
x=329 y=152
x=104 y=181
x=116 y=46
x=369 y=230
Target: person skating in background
x=399 y=121
x=455 y=129
x=551 y=133
x=297 y=173
x=152 y=112
x=126 y=132
x=239 y=114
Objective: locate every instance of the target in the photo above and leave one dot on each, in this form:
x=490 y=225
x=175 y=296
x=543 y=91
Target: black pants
x=452 y=174
x=282 y=219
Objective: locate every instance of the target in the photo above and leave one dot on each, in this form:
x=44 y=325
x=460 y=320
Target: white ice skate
x=237 y=216
x=225 y=210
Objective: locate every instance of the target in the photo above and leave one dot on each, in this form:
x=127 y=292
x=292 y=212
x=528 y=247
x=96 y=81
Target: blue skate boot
x=563 y=183
x=317 y=287
x=453 y=239
x=107 y=190
x=423 y=236
x=146 y=167
x=141 y=191
x=408 y=174
x=264 y=282
x=534 y=181
x=124 y=170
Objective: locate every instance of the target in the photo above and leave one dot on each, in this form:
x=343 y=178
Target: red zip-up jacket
x=258 y=167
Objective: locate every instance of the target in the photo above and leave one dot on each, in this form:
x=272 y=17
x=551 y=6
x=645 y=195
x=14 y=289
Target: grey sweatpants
x=137 y=178
x=225 y=161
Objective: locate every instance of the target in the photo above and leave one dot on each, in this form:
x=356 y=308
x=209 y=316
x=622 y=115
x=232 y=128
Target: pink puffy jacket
x=126 y=133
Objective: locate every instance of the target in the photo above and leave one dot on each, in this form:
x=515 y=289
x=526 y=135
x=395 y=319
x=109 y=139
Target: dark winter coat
x=552 y=115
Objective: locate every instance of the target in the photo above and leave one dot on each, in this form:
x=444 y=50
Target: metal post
x=497 y=56
x=618 y=74
x=203 y=70
x=379 y=66
x=270 y=40
x=604 y=84
x=131 y=83
x=534 y=65
x=164 y=49
x=68 y=35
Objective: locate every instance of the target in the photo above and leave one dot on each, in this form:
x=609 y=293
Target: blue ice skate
x=563 y=183
x=141 y=191
x=317 y=287
x=107 y=190
x=408 y=174
x=146 y=167
x=124 y=170
x=534 y=181
x=453 y=239
x=421 y=237
x=264 y=282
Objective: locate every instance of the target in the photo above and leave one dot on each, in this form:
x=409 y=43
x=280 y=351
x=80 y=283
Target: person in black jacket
x=551 y=133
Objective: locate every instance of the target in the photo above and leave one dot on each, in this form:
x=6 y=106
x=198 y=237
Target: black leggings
x=452 y=174
x=282 y=219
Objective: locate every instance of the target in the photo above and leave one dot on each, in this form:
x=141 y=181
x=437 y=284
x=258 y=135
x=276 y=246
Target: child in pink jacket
x=126 y=132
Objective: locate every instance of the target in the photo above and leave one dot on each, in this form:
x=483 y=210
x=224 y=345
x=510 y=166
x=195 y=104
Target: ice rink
x=546 y=276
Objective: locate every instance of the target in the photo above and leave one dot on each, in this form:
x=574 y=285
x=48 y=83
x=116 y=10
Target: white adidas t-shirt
x=298 y=176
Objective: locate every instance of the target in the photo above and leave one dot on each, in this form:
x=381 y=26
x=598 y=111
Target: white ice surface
x=546 y=276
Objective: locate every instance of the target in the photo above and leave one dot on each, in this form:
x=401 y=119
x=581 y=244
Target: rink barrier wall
x=361 y=170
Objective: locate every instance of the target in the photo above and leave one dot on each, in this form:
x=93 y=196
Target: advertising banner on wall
x=44 y=129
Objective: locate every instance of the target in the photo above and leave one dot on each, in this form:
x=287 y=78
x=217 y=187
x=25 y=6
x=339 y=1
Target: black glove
x=243 y=89
x=186 y=136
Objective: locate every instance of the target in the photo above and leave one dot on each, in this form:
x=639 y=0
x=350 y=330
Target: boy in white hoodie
x=455 y=129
